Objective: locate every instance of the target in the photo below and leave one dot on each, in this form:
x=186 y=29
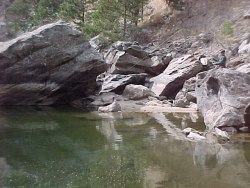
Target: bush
x=19 y=8
x=227 y=28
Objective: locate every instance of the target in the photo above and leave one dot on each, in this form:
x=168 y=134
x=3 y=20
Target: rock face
x=117 y=82
x=222 y=96
x=186 y=95
x=52 y=65
x=131 y=58
x=245 y=68
x=174 y=76
x=244 y=48
x=247 y=14
x=247 y=116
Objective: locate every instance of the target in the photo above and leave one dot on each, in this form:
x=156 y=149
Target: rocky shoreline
x=55 y=65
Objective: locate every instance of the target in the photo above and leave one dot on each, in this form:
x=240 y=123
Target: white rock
x=196 y=136
x=221 y=133
x=114 y=107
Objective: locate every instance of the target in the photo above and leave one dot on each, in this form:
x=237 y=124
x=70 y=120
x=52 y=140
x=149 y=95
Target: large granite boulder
x=131 y=58
x=172 y=79
x=53 y=64
x=222 y=96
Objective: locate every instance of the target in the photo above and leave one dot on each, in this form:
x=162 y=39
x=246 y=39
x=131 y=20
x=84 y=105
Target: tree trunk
x=125 y=19
x=142 y=10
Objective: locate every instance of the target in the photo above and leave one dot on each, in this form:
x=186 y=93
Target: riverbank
x=152 y=106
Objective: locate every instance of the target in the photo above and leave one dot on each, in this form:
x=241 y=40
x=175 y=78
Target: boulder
x=196 y=136
x=186 y=94
x=117 y=82
x=205 y=37
x=103 y=99
x=136 y=92
x=247 y=15
x=113 y=107
x=244 y=48
x=182 y=45
x=244 y=68
x=131 y=58
x=95 y=42
x=217 y=136
x=222 y=95
x=51 y=65
x=234 y=62
x=172 y=79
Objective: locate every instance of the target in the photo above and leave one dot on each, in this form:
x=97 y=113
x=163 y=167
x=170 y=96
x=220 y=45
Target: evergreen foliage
x=43 y=9
x=19 y=9
x=113 y=19
x=176 y=4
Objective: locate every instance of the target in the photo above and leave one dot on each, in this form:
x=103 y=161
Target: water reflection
x=107 y=127
x=69 y=148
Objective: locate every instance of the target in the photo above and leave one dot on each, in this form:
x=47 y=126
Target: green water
x=67 y=148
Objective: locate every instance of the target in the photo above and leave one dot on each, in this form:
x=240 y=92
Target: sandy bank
x=149 y=106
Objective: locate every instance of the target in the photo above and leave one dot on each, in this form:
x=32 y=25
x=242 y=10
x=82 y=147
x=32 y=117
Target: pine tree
x=105 y=18
x=115 y=17
x=75 y=10
x=112 y=18
x=176 y=4
x=44 y=9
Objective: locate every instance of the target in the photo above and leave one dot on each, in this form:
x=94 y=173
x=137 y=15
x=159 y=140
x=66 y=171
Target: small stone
x=247 y=15
x=244 y=129
x=196 y=136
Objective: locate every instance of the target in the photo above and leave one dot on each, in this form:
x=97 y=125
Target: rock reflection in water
x=30 y=119
x=228 y=164
x=107 y=127
x=3 y=171
x=173 y=161
x=115 y=150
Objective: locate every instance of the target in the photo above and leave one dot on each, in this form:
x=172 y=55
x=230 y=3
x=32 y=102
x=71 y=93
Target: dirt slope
x=199 y=16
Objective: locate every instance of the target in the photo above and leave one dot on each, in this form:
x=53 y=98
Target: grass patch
x=227 y=28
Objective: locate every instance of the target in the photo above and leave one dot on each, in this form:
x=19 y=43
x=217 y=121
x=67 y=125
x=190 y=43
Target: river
x=69 y=148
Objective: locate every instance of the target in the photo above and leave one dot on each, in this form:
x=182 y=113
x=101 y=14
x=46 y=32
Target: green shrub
x=227 y=28
x=19 y=8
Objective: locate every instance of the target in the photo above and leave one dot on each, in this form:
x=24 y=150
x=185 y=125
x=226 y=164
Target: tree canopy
x=112 y=18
